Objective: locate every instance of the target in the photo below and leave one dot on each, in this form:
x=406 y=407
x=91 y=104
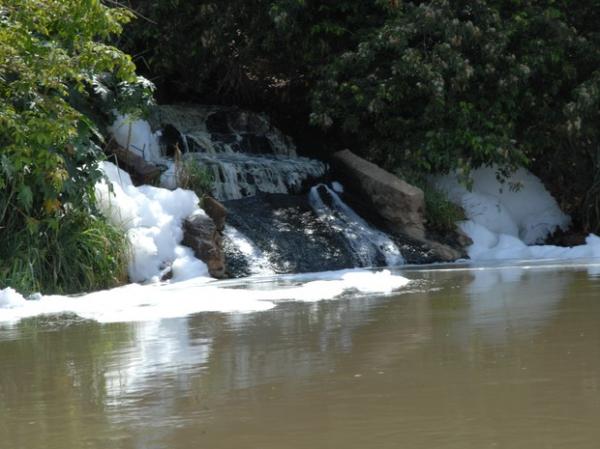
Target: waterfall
x=244 y=153
x=366 y=242
x=274 y=225
x=239 y=175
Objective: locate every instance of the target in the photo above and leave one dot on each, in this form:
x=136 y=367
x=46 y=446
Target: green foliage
x=455 y=85
x=427 y=86
x=191 y=175
x=243 y=51
x=50 y=51
x=133 y=97
x=441 y=214
x=80 y=253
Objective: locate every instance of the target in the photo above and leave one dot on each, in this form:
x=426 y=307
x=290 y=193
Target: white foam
x=10 y=299
x=136 y=302
x=151 y=217
x=505 y=223
x=136 y=136
x=529 y=212
x=337 y=187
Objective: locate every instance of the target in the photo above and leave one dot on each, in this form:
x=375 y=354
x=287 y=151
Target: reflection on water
x=512 y=300
x=503 y=357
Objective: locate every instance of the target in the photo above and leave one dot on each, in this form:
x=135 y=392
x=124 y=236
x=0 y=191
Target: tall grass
x=192 y=175
x=441 y=214
x=82 y=253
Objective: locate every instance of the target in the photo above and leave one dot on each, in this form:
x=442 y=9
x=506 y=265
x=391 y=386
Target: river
x=501 y=356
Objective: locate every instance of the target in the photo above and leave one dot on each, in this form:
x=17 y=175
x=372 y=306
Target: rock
x=399 y=204
x=218 y=122
x=566 y=238
x=216 y=129
x=201 y=234
x=462 y=239
x=426 y=251
x=444 y=253
x=253 y=144
x=171 y=140
x=141 y=171
x=216 y=211
x=247 y=122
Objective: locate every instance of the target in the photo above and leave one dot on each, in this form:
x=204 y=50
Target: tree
x=49 y=52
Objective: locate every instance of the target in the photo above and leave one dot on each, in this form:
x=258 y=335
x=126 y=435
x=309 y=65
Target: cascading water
x=243 y=151
x=287 y=233
x=306 y=233
x=239 y=175
x=244 y=256
x=367 y=243
x=274 y=225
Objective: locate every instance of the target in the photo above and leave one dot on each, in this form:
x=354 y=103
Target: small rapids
x=304 y=233
x=367 y=243
x=245 y=256
x=280 y=219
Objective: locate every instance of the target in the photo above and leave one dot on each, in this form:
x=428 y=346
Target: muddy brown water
x=502 y=357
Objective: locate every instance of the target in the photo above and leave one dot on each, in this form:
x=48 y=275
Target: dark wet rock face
x=251 y=143
x=291 y=236
x=287 y=231
x=221 y=129
x=218 y=122
x=171 y=140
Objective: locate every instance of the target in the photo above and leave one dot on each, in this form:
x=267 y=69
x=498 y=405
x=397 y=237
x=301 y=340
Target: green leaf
x=25 y=197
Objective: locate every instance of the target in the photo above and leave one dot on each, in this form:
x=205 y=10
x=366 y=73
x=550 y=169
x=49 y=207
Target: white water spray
x=367 y=243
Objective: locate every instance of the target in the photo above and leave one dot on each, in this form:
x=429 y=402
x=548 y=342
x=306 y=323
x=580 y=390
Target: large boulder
x=215 y=210
x=201 y=234
x=400 y=205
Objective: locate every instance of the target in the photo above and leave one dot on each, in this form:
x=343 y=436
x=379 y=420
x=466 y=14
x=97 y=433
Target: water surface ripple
x=495 y=357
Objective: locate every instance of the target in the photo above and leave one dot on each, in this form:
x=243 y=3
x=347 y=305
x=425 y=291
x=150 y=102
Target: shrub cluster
x=424 y=86
x=52 y=53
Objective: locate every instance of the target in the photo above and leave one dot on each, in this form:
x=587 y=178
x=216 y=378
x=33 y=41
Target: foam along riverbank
x=137 y=302
x=152 y=219
x=508 y=220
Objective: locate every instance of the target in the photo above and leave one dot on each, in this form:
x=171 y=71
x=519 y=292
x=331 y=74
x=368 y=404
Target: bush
x=441 y=214
x=426 y=86
x=242 y=51
x=80 y=253
x=454 y=85
x=191 y=175
x=51 y=52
